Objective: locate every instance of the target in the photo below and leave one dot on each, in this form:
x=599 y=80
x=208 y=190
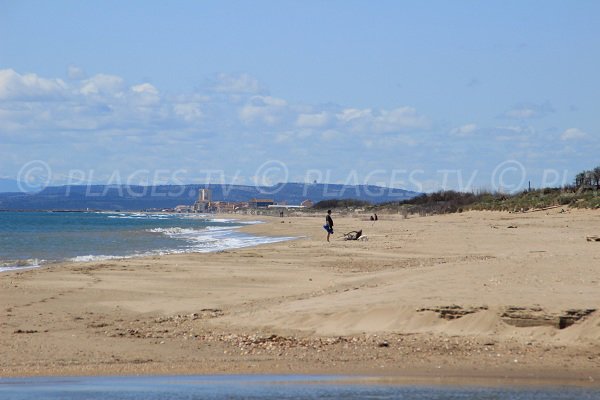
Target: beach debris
x=178 y=325
x=571 y=316
x=453 y=311
x=25 y=331
x=512 y=227
x=593 y=238
x=268 y=345
x=523 y=317
x=353 y=235
x=97 y=325
x=202 y=314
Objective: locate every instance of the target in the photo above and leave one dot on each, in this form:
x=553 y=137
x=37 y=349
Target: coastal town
x=205 y=204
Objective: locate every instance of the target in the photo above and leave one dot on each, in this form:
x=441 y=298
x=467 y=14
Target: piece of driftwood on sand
x=353 y=235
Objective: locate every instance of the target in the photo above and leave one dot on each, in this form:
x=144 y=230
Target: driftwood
x=593 y=238
x=353 y=235
x=541 y=209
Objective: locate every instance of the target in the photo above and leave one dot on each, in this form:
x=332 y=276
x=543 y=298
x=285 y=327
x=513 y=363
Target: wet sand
x=471 y=297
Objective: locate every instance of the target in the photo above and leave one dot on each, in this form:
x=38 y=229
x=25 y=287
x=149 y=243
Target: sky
x=423 y=95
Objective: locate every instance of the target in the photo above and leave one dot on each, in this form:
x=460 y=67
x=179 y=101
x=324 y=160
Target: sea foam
x=12 y=265
x=28 y=240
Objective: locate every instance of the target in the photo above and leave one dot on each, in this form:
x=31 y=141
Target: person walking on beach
x=328 y=224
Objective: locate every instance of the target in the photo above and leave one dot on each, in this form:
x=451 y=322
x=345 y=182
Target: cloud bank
x=102 y=123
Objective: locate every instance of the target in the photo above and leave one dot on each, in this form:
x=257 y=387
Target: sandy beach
x=483 y=296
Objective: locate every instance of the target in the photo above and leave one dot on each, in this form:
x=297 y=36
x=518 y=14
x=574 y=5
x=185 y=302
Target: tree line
x=589 y=178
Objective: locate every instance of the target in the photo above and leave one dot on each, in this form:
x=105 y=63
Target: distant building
x=284 y=206
x=224 y=206
x=184 y=209
x=307 y=203
x=204 y=200
x=205 y=195
x=260 y=203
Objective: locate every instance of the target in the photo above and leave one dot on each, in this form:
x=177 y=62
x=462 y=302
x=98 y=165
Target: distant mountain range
x=103 y=197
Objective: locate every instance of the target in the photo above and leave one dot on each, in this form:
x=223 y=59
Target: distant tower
x=204 y=200
x=205 y=195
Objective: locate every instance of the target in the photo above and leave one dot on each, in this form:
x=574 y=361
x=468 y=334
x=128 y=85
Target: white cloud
x=236 y=84
x=390 y=142
x=464 y=130
x=401 y=118
x=521 y=113
x=512 y=133
x=265 y=109
x=190 y=112
x=106 y=102
x=102 y=84
x=382 y=121
x=271 y=101
x=145 y=94
x=29 y=87
x=316 y=120
x=145 y=88
x=75 y=73
x=103 y=121
x=514 y=128
x=353 y=114
x=528 y=111
x=284 y=137
x=573 y=134
x=330 y=135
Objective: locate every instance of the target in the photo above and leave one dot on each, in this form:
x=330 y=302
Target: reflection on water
x=263 y=387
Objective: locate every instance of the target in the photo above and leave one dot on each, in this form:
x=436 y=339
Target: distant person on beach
x=328 y=224
x=375 y=217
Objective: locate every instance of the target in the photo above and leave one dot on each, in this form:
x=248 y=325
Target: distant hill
x=102 y=197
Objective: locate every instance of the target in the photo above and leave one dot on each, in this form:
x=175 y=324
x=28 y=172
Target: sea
x=33 y=239
x=265 y=387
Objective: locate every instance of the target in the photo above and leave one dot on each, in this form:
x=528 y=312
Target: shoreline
x=89 y=258
x=458 y=297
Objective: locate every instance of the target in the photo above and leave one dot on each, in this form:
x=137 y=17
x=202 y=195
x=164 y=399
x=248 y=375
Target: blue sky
x=419 y=94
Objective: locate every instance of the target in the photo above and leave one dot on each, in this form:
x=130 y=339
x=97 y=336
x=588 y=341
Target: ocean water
x=267 y=387
x=30 y=239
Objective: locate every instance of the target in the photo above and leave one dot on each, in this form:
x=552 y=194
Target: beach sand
x=476 y=296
